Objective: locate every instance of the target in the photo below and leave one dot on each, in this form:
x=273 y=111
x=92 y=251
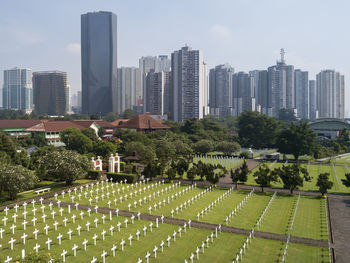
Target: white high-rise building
x=330 y=94
x=189 y=89
x=18 y=89
x=302 y=93
x=130 y=85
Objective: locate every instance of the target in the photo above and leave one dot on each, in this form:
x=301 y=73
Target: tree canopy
x=297 y=139
x=323 y=183
x=264 y=176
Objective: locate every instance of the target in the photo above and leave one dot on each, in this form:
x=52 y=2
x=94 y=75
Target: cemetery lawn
x=310 y=222
x=336 y=174
x=55 y=186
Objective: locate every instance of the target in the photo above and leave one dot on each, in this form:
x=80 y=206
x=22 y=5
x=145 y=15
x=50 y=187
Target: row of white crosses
x=229 y=162
x=55 y=224
x=262 y=216
x=204 y=244
x=290 y=231
x=214 y=203
x=238 y=208
x=168 y=240
x=94 y=187
x=171 y=198
x=245 y=246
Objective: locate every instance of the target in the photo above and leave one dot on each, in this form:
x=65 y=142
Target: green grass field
x=310 y=222
x=336 y=174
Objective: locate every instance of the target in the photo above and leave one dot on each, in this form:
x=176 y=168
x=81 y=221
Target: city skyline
x=220 y=39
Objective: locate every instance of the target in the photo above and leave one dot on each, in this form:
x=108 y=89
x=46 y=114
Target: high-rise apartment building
x=330 y=94
x=50 y=93
x=220 y=90
x=157 y=92
x=301 y=82
x=99 y=63
x=17 y=89
x=313 y=114
x=189 y=90
x=130 y=87
x=242 y=93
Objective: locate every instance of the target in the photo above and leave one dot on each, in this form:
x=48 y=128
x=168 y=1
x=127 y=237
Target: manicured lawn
x=310 y=219
x=301 y=253
x=43 y=184
x=309 y=223
x=336 y=174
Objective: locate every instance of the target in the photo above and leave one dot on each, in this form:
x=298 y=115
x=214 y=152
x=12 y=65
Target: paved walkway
x=203 y=225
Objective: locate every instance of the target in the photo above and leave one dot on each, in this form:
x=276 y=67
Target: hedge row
x=130 y=178
x=94 y=174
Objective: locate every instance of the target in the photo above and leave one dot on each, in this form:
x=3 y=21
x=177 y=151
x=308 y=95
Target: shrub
x=130 y=178
x=94 y=174
x=122 y=166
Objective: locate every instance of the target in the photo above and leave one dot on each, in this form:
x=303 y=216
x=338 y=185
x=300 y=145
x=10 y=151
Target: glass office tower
x=99 y=63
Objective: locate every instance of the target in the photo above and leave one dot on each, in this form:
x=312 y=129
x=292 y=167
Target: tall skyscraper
x=50 y=93
x=281 y=86
x=255 y=77
x=220 y=90
x=130 y=86
x=189 y=91
x=17 y=89
x=157 y=88
x=313 y=114
x=242 y=93
x=99 y=63
x=302 y=93
x=330 y=94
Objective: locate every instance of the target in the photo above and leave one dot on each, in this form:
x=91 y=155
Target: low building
x=17 y=128
x=328 y=127
x=143 y=124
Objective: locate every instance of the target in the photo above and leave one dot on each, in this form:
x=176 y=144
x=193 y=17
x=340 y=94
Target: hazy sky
x=45 y=34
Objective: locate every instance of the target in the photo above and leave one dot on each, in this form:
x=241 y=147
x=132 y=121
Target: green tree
x=292 y=176
x=181 y=166
x=191 y=173
x=234 y=174
x=203 y=147
x=264 y=177
x=90 y=133
x=244 y=171
x=171 y=172
x=65 y=165
x=75 y=140
x=298 y=140
x=165 y=152
x=228 y=148
x=323 y=183
x=127 y=114
x=346 y=181
x=110 y=117
x=257 y=130
x=103 y=148
x=7 y=145
x=145 y=153
x=151 y=170
x=15 y=179
x=286 y=115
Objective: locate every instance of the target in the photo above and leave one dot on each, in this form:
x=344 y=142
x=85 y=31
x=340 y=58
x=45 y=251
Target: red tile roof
x=54 y=126
x=143 y=122
x=12 y=124
x=116 y=122
x=88 y=123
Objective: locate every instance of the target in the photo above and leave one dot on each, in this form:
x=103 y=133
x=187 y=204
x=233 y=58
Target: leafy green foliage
x=7 y=145
x=203 y=147
x=117 y=177
x=257 y=130
x=90 y=133
x=264 y=177
x=110 y=117
x=151 y=170
x=103 y=148
x=94 y=174
x=75 y=140
x=298 y=140
x=145 y=153
x=15 y=179
x=234 y=174
x=228 y=148
x=292 y=176
x=65 y=165
x=323 y=183
x=346 y=181
x=286 y=115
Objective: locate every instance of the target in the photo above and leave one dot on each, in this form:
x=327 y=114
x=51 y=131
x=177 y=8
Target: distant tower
x=282 y=52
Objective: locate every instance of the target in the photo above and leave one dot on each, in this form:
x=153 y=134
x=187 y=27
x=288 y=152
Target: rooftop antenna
x=282 y=55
